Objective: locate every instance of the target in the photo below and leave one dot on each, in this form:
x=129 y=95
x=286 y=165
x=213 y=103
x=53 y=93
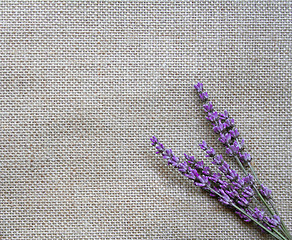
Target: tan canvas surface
x=85 y=84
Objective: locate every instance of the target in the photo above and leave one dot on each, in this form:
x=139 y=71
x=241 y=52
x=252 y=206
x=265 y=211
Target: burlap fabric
x=84 y=85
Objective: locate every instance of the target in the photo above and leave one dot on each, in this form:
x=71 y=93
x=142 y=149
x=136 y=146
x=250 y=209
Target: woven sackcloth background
x=85 y=84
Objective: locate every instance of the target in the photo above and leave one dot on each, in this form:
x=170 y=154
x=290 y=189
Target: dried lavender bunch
x=224 y=126
x=232 y=190
x=236 y=192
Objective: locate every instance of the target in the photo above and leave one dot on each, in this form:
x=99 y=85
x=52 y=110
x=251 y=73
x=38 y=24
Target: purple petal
x=204 y=96
x=199 y=87
x=224 y=115
x=154 y=140
x=217 y=160
x=208 y=107
x=199 y=165
x=204 y=145
x=210 y=152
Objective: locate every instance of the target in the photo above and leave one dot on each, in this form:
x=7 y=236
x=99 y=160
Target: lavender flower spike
x=204 y=96
x=154 y=140
x=212 y=116
x=199 y=87
x=224 y=115
x=259 y=214
x=225 y=199
x=237 y=192
x=210 y=152
x=208 y=107
x=217 y=160
x=266 y=192
x=204 y=145
x=274 y=222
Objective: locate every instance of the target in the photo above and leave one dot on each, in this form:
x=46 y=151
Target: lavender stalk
x=233 y=191
x=224 y=126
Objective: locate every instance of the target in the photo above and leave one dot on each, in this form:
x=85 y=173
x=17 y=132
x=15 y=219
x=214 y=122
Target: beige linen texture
x=85 y=84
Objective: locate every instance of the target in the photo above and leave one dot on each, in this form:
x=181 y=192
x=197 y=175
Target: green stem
x=284 y=237
x=274 y=229
x=275 y=210
x=258 y=193
x=254 y=198
x=285 y=229
x=262 y=226
x=264 y=201
x=253 y=172
x=241 y=166
x=280 y=237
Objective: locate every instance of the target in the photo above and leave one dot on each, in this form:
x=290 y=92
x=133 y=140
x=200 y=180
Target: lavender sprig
x=234 y=192
x=225 y=127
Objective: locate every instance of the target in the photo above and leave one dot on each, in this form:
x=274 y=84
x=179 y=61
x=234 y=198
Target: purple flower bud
x=183 y=167
x=248 y=192
x=232 y=193
x=204 y=145
x=233 y=149
x=168 y=154
x=224 y=168
x=206 y=171
x=223 y=184
x=244 y=157
x=215 y=177
x=265 y=192
x=225 y=199
x=225 y=139
x=229 y=152
x=249 y=179
x=234 y=133
x=232 y=175
x=199 y=165
x=212 y=116
x=238 y=184
x=217 y=160
x=203 y=181
x=210 y=152
x=208 y=107
x=160 y=148
x=216 y=129
x=224 y=115
x=244 y=217
x=219 y=127
x=190 y=158
x=154 y=140
x=258 y=214
x=243 y=201
x=174 y=161
x=204 y=96
x=229 y=123
x=192 y=174
x=199 y=87
x=274 y=222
